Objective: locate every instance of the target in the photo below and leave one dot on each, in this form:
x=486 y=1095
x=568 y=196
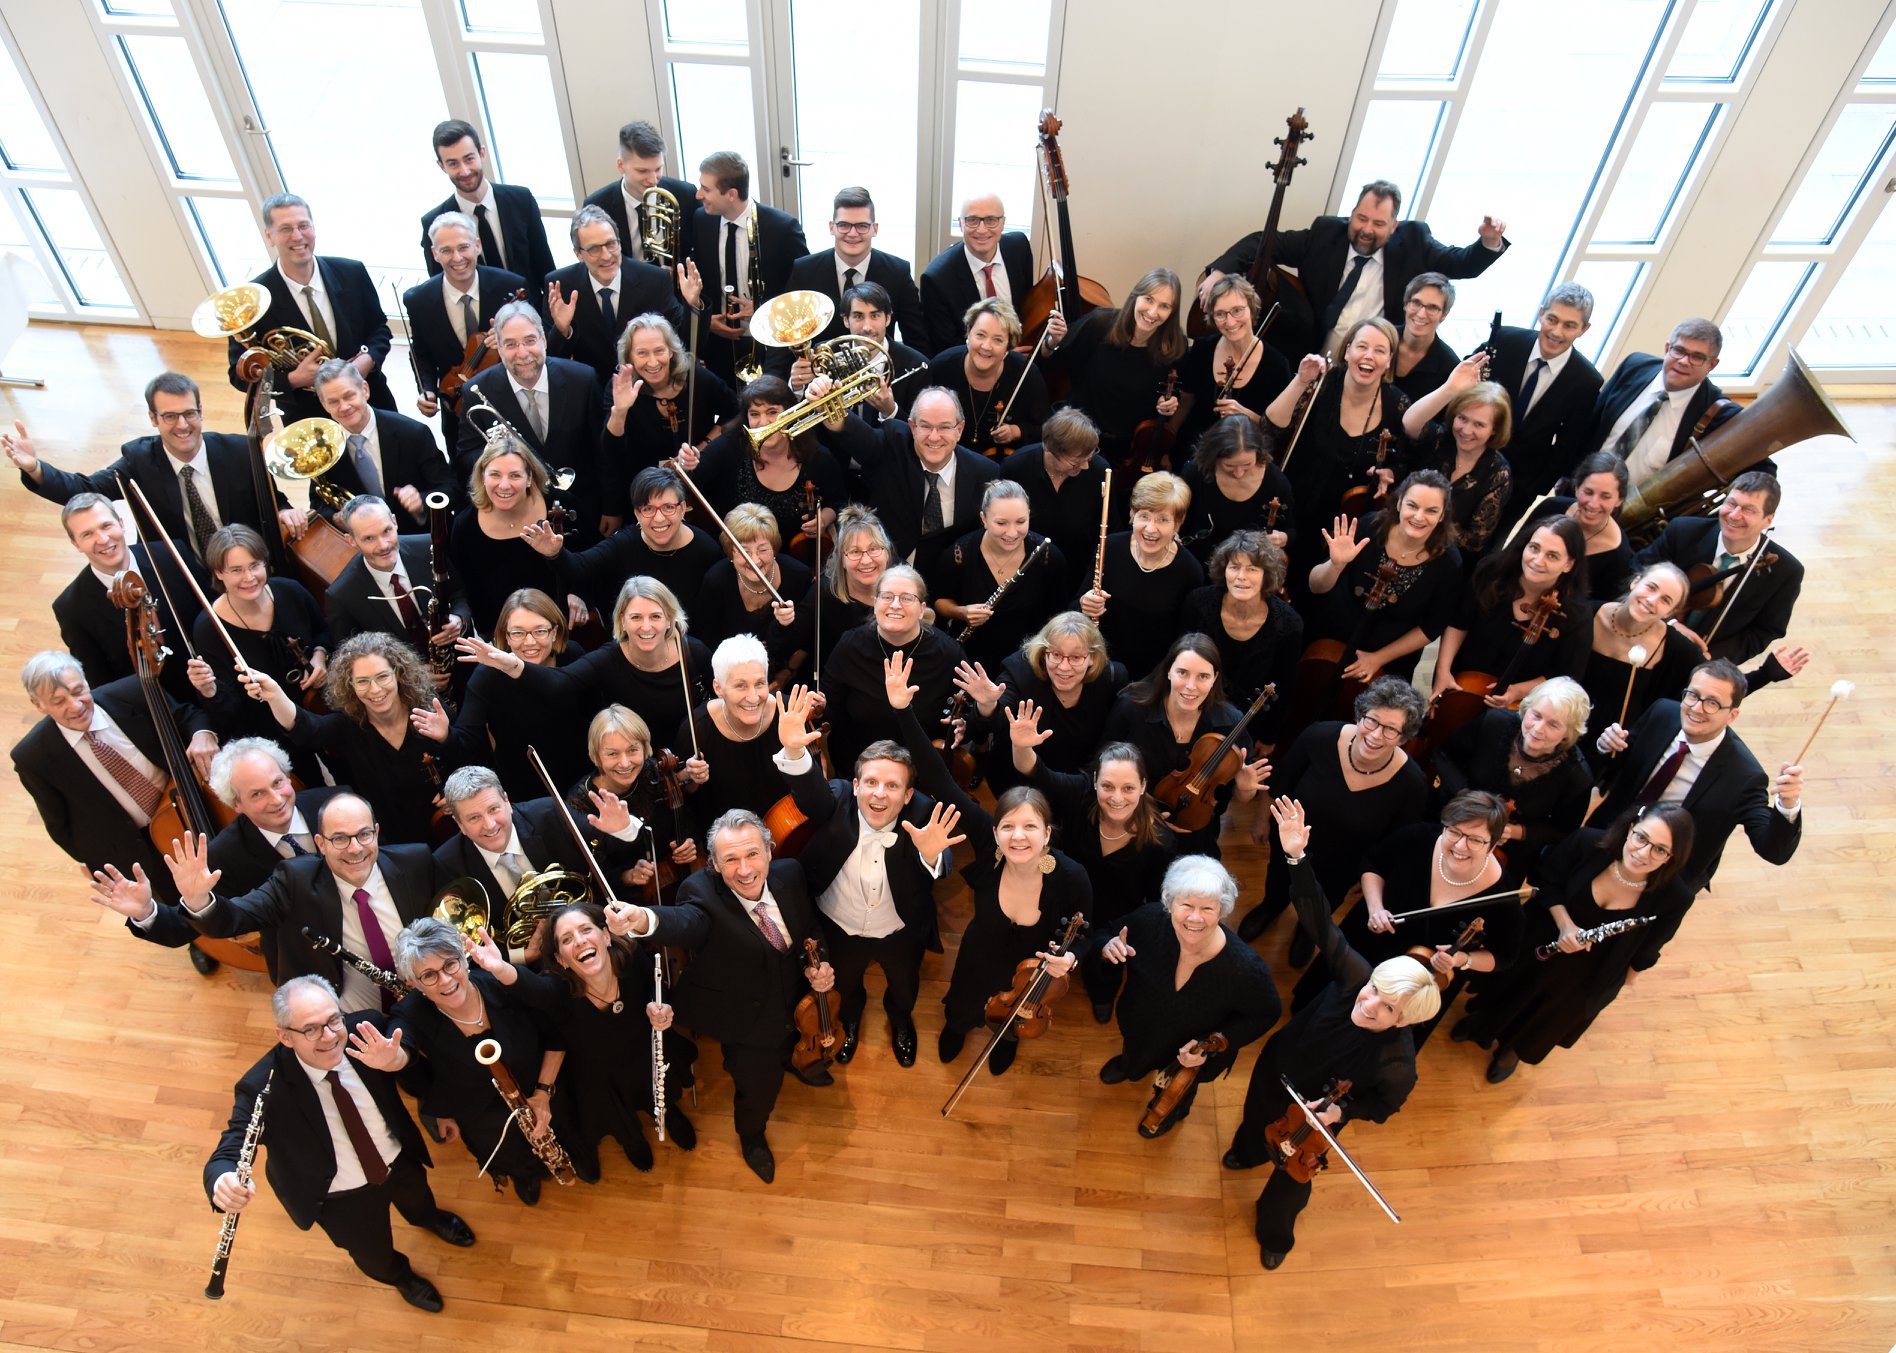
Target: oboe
x=440 y=656
x=1001 y=591
x=659 y=1065
x=547 y=1146
x=377 y=974
x=1598 y=932
x=246 y=1156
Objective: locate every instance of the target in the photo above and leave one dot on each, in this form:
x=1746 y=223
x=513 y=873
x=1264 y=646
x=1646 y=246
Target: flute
x=659 y=1065
x=1105 y=506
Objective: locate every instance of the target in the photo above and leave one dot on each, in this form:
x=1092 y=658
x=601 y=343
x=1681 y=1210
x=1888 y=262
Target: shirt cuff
x=145 y=922
x=631 y=832
x=210 y=900
x=789 y=765
x=936 y=866
x=1789 y=814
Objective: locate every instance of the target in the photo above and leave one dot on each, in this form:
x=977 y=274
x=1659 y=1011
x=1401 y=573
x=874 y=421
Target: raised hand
x=895 y=679
x=938 y=833
x=625 y=390
x=542 y=539
x=560 y=307
x=191 y=872
x=610 y=813
x=1118 y=949
x=1492 y=230
x=129 y=897
x=1253 y=776
x=19 y=448
x=793 y=720
x=1341 y=541
x=973 y=680
x=371 y=1047
x=474 y=649
x=1023 y=726
x=433 y=722
x=1293 y=833
x=1312 y=368
x=1469 y=370
x=484 y=954
x=690 y=284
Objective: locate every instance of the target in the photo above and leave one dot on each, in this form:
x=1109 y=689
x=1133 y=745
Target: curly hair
x=414 y=683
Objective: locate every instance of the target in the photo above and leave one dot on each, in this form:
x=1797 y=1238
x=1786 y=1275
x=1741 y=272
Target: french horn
x=307 y=449
x=233 y=313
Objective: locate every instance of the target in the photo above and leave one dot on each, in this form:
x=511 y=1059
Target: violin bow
x=572 y=825
x=138 y=496
x=1526 y=893
x=1032 y=357
x=414 y=363
x=1336 y=1148
x=1757 y=555
x=1263 y=327
x=684 y=677
x=725 y=527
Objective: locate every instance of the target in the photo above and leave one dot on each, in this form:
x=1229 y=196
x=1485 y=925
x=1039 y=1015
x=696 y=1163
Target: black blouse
x=598 y=573
x=961 y=574
x=492 y=570
x=297 y=617
x=859 y=710
x=1428 y=375
x=1422 y=596
x=1070 y=514
x=1608 y=572
x=728 y=476
x=495 y=726
x=1212 y=517
x=1077 y=733
x=1231 y=993
x=1142 y=609
x=1329 y=460
x=1201 y=381
x=649 y=436
x=721 y=612
x=1495 y=641
x=1268 y=657
x=1478 y=496
x=982 y=408
x=395 y=780
x=1123 y=881
x=1119 y=388
x=1546 y=806
x=1147 y=728
x=607 y=677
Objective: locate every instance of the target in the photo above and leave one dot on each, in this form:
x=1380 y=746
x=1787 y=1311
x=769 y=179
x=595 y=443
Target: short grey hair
x=1001 y=488
x=735 y=652
x=426 y=938
x=226 y=761
x=1703 y=330
x=457 y=220
x=591 y=215
x=335 y=369
x=280 y=998
x=466 y=782
x=735 y=820
x=47 y=669
x=945 y=393
x=1431 y=279
x=1573 y=294
x=362 y=502
x=514 y=310
x=1199 y=876
x=270 y=204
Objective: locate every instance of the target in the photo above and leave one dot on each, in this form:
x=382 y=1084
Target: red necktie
x=410 y=613
x=144 y=793
x=987 y=277
x=376 y=940
x=778 y=940
x=374 y=1168
x=1661 y=777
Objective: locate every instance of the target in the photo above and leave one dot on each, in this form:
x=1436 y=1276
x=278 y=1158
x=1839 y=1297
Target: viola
x=1274 y=285
x=1298 y=1148
x=818 y=1019
x=667 y=874
x=1464 y=942
x=1061 y=287
x=1169 y=1087
x=1152 y=439
x=1025 y=1006
x=1190 y=794
x=476 y=357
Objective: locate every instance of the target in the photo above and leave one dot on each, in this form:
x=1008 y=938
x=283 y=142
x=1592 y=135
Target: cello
x=184 y=807
x=1320 y=683
x=1274 y=285
x=1061 y=287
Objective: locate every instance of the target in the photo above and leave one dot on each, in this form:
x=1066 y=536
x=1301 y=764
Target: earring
x=997 y=857
x=1046 y=864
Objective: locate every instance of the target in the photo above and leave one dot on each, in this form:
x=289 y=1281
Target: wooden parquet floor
x=1711 y=1169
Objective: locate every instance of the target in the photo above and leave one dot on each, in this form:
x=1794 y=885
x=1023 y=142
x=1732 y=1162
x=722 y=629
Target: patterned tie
x=535 y=418
x=1629 y=439
x=1525 y=400
x=730 y=258
x=317 y=324
x=470 y=321
x=406 y=608
x=1661 y=777
x=490 y=243
x=931 y=504
x=144 y=793
x=364 y=464
x=202 y=527
x=1344 y=292
x=772 y=931
x=607 y=312
x=289 y=846
x=374 y=1169
x=377 y=941
x=987 y=278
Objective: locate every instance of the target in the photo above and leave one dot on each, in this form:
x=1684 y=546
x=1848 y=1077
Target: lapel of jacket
x=345 y=328
x=294 y=1094
x=160 y=483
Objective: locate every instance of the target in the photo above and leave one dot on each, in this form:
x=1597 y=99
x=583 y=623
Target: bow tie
x=883 y=839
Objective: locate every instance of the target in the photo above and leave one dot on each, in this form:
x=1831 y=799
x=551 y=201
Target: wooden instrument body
x=818 y=1019
x=1073 y=295
x=1301 y=1152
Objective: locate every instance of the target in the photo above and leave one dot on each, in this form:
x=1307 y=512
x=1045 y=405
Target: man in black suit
x=1683 y=751
x=332 y=298
x=1651 y=407
x=562 y=424
x=833 y=272
x=197 y=481
x=744 y=920
x=872 y=861
x=1757 y=614
x=991 y=260
x=867 y=310
x=1551 y=387
x=367 y=594
x=725 y=231
x=342 y=1148
x=518 y=244
x=641 y=166
x=349 y=890
x=590 y=302
x=445 y=311
x=924 y=485
x=389 y=455
x=1357 y=267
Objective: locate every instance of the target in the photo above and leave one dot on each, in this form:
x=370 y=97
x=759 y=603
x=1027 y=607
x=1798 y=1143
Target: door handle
x=789 y=162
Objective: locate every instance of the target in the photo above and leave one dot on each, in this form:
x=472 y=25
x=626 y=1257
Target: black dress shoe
x=418 y=1291
x=1003 y=1055
x=527 y=1189
x=904 y=1040
x=206 y=965
x=679 y=1129
x=1302 y=949
x=1102 y=1011
x=1233 y=1161
x=851 y=1032
x=762 y=1163
x=452 y=1229
x=1499 y=1070
x=586 y=1168
x=638 y=1150
x=1463 y=1032
x=1271 y=1259
x=1113 y=1073
x=948 y=1046
x=814 y=1074
x=1252 y=923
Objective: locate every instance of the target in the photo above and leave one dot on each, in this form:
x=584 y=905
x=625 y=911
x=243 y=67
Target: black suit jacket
x=892 y=484
x=543 y=837
x=408 y=455
x=737 y=988
x=522 y=232
x=641 y=287
x=1546 y=443
x=817 y=272
x=431 y=333
x=360 y=323
x=93 y=629
x=948 y=289
x=301 y=1158
x=611 y=200
x=572 y=439
x=355 y=603
x=1759 y=614
x=1321 y=254
x=225 y=459
x=1732 y=791
x=779 y=240
x=248 y=861
x=1626 y=383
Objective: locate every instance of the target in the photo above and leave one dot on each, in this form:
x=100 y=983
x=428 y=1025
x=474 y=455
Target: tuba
x=856 y=364
x=233 y=313
x=658 y=226
x=308 y=449
x=1793 y=410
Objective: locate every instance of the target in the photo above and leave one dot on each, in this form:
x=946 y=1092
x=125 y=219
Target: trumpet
x=658 y=226
x=233 y=313
x=856 y=365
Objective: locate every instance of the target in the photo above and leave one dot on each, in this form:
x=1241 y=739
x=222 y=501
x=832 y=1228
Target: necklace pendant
x=618 y=1007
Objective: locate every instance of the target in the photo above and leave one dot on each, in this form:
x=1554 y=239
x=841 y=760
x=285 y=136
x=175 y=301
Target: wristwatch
x=544 y=1088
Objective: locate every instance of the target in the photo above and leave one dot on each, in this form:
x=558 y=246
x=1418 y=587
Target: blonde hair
x=1383 y=327
x=620 y=719
x=677 y=365
x=852 y=521
x=1410 y=985
x=651 y=589
x=1569 y=700
x=505 y=444
x=1162 y=491
x=748 y=522
x=1000 y=309
x=1067 y=625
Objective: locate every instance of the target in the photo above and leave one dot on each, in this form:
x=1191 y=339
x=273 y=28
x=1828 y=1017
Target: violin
x=1169 y=1087
x=1026 y=1005
x=1467 y=699
x=441 y=828
x=1298 y=1148
x=1358 y=501
x=1152 y=439
x=1706 y=586
x=1464 y=942
x=476 y=357
x=958 y=757
x=667 y=874
x=818 y=1019
x=1061 y=287
x=802 y=546
x=1190 y=794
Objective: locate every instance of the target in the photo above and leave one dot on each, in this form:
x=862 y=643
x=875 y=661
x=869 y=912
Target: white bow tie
x=883 y=839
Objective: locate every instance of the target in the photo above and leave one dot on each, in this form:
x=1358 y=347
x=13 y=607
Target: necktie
x=849 y=278
x=144 y=793
x=470 y=322
x=931 y=504
x=376 y=940
x=289 y=846
x=730 y=258
x=317 y=324
x=1525 y=400
x=490 y=242
x=1661 y=777
x=534 y=416
x=768 y=924
x=1344 y=292
x=515 y=866
x=1629 y=439
x=987 y=278
x=202 y=527
x=605 y=309
x=406 y=608
x=374 y=1169
x=364 y=464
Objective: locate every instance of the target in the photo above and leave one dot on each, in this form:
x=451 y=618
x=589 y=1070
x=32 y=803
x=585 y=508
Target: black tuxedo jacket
x=611 y=200
x=247 y=861
x=1732 y=791
x=301 y=1159
x=779 y=238
x=1546 y=443
x=360 y=323
x=302 y=892
x=1760 y=614
x=1626 y=383
x=93 y=629
x=355 y=603
x=225 y=459
x=571 y=443
x=948 y=289
x=431 y=334
x=522 y=233
x=892 y=484
x=737 y=988
x=641 y=287
x=817 y=272
x=543 y=837
x=409 y=455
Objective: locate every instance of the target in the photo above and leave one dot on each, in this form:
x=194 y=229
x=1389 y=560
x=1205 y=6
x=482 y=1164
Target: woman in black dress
x=1636 y=657
x=1064 y=670
x=1107 y=822
x=1187 y=976
x=781 y=475
x=1257 y=633
x=1235 y=487
x=1630 y=870
x=987 y=375
x=648 y=401
x=1164 y=716
x=1230 y=373
x=1423 y=360
x=659 y=544
x=1119 y=360
x=1147 y=575
x=488 y=544
x=840 y=600
x=494 y=726
x=1599 y=487
x=969 y=572
x=1529 y=757
x=736 y=735
x=853 y=680
x=734 y=598
x=1458 y=431
x=619 y=746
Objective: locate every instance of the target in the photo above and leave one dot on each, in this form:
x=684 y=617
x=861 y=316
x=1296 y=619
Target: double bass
x=1061 y=287
x=1274 y=285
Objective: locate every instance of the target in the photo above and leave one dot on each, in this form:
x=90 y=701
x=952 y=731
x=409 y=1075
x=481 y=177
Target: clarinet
x=995 y=598
x=246 y=1156
x=659 y=1064
x=377 y=974
x=547 y=1148
x=1598 y=932
x=440 y=656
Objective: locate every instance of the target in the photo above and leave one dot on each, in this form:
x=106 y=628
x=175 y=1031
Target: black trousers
x=898 y=955
x=757 y=1072
x=1277 y=1208
x=356 y=1221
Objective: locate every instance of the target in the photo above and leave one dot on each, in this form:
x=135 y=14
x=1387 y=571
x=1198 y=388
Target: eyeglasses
x=1711 y=703
x=1639 y=838
x=432 y=977
x=1051 y=658
x=899 y=598
x=1687 y=355
x=659 y=509
x=178 y=416
x=936 y=429
x=857 y=556
x=1423 y=307
x=852 y=227
x=1232 y=312
x=315 y=1031
x=341 y=840
x=980 y=222
x=1456 y=834
x=538 y=632
x=595 y=250
x=1369 y=721
x=368 y=682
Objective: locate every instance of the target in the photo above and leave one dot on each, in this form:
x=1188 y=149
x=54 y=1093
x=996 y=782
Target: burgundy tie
x=1661 y=777
x=778 y=940
x=410 y=613
x=374 y=1168
x=144 y=793
x=377 y=941
x=987 y=277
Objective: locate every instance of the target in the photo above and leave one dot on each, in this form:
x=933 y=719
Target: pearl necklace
x=1171 y=553
x=1637 y=885
x=479 y=1019
x=1441 y=867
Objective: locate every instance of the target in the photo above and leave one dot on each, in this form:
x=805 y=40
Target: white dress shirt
x=1001 y=289
x=349 y=1173
x=358 y=992
x=1365 y=302
x=1549 y=374
x=542 y=387
x=862 y=273
x=1655 y=446
x=947 y=473
x=742 y=228
x=382 y=580
x=323 y=302
x=114 y=737
x=634 y=245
